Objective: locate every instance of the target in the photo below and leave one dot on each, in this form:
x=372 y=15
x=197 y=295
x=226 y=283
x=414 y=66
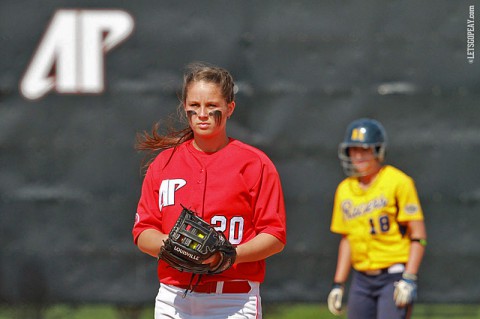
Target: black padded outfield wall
x=79 y=79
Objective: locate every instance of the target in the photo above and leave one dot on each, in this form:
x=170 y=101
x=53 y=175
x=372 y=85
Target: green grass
x=424 y=311
x=297 y=311
x=270 y=311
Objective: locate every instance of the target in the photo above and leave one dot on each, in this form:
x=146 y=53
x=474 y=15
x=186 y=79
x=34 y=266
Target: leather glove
x=405 y=290
x=335 y=297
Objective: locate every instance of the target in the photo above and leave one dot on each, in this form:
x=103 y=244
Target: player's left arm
x=411 y=214
x=260 y=247
x=418 y=235
x=269 y=218
x=406 y=289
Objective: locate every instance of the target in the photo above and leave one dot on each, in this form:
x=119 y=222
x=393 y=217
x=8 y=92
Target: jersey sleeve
x=269 y=211
x=337 y=224
x=148 y=212
x=408 y=203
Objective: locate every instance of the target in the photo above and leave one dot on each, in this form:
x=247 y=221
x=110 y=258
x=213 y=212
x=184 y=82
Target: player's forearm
x=150 y=241
x=417 y=248
x=259 y=248
x=417 y=251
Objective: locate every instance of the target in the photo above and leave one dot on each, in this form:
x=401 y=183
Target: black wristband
x=421 y=241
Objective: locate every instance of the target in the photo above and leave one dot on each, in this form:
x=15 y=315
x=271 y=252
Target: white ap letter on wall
x=71 y=54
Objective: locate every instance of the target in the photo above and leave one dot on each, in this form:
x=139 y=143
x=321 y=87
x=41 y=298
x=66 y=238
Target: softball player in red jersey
x=378 y=214
x=230 y=184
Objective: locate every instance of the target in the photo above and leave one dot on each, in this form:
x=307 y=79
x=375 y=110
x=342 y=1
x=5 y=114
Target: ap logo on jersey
x=70 y=57
x=166 y=193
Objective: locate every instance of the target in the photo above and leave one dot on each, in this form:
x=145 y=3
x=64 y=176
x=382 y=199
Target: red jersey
x=237 y=189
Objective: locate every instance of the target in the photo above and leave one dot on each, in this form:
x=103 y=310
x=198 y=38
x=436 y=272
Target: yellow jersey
x=374 y=219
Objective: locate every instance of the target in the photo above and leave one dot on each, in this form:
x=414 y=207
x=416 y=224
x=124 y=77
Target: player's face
x=206 y=108
x=363 y=159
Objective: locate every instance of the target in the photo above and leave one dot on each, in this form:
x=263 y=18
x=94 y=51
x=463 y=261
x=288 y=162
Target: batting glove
x=335 y=297
x=405 y=290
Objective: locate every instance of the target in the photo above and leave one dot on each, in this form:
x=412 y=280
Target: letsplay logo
x=70 y=58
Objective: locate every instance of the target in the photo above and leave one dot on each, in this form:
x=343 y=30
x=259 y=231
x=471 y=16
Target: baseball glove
x=191 y=241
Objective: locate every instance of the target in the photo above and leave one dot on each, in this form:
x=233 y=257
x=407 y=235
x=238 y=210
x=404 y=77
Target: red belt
x=229 y=287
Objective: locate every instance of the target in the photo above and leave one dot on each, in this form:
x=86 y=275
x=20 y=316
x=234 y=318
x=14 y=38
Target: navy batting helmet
x=365 y=133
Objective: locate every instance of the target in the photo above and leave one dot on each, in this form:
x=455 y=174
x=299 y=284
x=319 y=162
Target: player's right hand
x=334 y=300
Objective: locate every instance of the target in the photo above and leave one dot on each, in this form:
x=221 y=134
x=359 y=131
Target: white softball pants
x=171 y=303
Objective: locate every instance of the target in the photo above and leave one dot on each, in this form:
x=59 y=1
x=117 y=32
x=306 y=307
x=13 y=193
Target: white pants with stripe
x=171 y=303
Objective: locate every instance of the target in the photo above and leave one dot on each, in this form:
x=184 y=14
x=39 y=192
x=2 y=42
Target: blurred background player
x=378 y=213
x=229 y=184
